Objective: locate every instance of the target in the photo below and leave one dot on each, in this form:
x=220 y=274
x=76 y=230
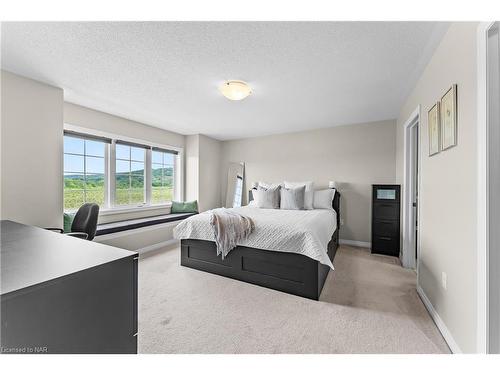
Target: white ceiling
x=304 y=75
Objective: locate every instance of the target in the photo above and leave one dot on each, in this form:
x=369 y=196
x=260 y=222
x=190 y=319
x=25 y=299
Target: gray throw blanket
x=229 y=229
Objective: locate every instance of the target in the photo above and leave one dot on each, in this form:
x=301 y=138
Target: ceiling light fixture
x=235 y=90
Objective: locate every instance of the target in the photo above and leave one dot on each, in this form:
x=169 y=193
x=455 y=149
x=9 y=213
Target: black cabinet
x=61 y=294
x=385 y=219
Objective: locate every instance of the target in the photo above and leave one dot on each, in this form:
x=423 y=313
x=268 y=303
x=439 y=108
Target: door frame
x=408 y=254
x=483 y=222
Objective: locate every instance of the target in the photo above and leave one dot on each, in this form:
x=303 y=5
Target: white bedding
x=306 y=232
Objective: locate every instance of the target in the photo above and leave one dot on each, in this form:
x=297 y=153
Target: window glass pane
x=137 y=153
x=73 y=199
x=156 y=157
x=74 y=181
x=169 y=193
x=160 y=194
x=137 y=190
x=95 y=196
x=122 y=152
x=169 y=170
x=156 y=174
x=94 y=181
x=121 y=197
x=168 y=159
x=137 y=182
x=122 y=166
x=73 y=163
x=94 y=148
x=122 y=181
x=94 y=165
x=137 y=168
x=168 y=181
x=137 y=196
x=73 y=145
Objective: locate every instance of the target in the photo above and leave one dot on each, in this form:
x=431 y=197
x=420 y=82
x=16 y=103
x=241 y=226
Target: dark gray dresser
x=61 y=294
x=385 y=219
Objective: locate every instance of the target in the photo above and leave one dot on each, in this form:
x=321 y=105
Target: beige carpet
x=369 y=305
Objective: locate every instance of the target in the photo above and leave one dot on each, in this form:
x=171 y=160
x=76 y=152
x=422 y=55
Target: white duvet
x=305 y=232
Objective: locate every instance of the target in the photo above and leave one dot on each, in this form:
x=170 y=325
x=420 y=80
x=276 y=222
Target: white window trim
x=110 y=169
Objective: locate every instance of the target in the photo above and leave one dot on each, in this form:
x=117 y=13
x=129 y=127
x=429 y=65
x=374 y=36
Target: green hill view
x=129 y=188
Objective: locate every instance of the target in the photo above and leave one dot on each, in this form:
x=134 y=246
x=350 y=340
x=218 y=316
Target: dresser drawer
x=387 y=211
x=385 y=245
x=386 y=228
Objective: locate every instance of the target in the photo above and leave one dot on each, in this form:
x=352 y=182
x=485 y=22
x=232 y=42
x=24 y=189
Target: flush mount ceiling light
x=235 y=90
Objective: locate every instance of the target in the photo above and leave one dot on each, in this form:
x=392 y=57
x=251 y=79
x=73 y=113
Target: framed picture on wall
x=449 y=118
x=434 y=130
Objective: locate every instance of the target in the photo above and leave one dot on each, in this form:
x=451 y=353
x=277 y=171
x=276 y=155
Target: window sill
x=124 y=210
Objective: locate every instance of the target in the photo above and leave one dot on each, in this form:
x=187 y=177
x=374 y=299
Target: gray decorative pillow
x=293 y=198
x=268 y=197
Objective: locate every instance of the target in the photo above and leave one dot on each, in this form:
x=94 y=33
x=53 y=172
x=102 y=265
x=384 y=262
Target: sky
x=129 y=159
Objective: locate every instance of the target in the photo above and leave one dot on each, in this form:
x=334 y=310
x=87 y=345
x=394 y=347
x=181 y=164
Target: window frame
x=163 y=165
x=110 y=207
x=84 y=172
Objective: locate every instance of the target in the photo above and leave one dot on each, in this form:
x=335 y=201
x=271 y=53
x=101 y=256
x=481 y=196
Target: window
x=116 y=174
x=84 y=176
x=162 y=176
x=129 y=175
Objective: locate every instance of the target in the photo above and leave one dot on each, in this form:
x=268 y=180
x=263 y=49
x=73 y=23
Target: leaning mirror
x=235 y=175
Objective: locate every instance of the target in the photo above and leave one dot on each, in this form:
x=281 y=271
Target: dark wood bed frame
x=284 y=271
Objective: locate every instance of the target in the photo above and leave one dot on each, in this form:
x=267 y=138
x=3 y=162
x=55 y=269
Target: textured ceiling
x=304 y=75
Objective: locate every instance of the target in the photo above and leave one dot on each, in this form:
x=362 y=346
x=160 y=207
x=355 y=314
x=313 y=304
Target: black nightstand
x=385 y=219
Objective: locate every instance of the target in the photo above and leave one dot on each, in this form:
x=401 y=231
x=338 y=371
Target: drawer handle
x=385 y=238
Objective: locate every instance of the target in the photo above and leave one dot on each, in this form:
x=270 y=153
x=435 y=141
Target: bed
x=298 y=262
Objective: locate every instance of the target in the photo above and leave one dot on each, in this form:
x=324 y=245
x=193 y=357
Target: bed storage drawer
x=284 y=271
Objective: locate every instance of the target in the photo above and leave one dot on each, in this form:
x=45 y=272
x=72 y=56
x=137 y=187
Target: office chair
x=84 y=224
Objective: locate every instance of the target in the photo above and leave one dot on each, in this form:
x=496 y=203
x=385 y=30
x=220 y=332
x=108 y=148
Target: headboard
x=335 y=203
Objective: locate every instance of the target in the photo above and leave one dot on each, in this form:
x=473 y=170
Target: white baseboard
x=157 y=246
x=439 y=322
x=356 y=243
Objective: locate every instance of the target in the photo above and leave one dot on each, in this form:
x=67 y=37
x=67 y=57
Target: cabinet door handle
x=385 y=238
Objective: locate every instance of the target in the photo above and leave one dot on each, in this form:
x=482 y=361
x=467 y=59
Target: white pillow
x=268 y=197
x=269 y=186
x=309 y=195
x=324 y=198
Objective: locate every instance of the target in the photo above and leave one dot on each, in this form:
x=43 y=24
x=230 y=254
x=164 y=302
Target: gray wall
x=32 y=151
x=203 y=168
x=448 y=186
x=92 y=119
x=355 y=156
x=210 y=170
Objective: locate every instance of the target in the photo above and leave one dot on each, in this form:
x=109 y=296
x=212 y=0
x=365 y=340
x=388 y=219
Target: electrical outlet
x=443 y=280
